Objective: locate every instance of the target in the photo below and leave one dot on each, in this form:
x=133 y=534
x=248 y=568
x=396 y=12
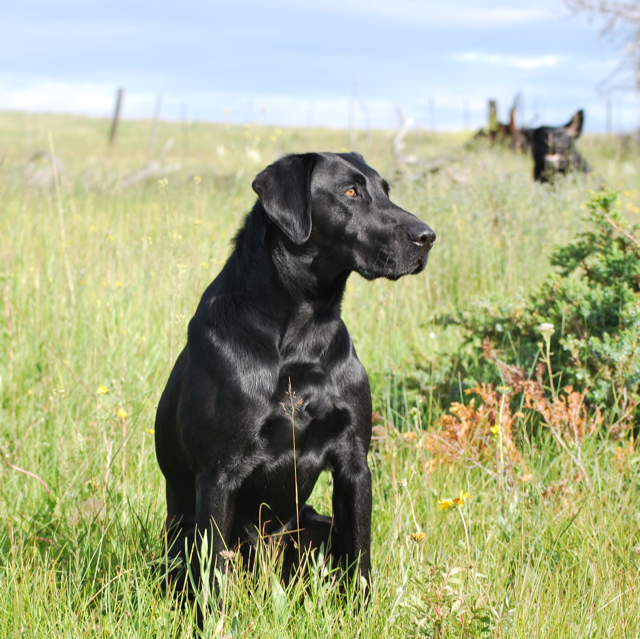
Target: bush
x=593 y=304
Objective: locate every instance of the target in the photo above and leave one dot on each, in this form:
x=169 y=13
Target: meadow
x=100 y=271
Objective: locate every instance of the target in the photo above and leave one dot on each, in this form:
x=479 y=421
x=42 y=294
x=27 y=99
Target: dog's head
x=336 y=206
x=553 y=147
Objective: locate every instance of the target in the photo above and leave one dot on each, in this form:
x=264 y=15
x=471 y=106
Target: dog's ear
x=284 y=189
x=574 y=127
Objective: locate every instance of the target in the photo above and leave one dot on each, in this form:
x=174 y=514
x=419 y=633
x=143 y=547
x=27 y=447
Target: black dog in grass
x=267 y=349
x=553 y=148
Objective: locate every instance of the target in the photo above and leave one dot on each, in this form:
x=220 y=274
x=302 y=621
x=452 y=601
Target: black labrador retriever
x=553 y=148
x=269 y=392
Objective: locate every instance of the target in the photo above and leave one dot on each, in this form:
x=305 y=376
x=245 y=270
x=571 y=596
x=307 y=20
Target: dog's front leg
x=215 y=507
x=352 y=513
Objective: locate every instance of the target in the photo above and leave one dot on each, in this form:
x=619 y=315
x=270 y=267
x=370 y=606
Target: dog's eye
x=350 y=192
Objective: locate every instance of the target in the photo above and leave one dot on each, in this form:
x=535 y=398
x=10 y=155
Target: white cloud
x=92 y=99
x=426 y=12
x=517 y=62
x=460 y=13
x=429 y=13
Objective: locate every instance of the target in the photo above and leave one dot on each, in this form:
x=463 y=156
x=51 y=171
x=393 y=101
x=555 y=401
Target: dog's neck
x=265 y=260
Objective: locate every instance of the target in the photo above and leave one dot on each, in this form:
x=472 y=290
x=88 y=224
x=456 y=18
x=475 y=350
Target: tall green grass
x=109 y=307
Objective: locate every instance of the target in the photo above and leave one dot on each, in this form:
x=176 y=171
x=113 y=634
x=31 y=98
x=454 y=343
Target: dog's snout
x=422 y=236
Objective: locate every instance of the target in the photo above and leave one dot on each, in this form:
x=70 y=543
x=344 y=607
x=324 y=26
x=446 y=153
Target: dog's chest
x=296 y=442
x=308 y=406
x=311 y=426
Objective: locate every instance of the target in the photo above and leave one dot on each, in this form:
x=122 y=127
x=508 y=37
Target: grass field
x=98 y=281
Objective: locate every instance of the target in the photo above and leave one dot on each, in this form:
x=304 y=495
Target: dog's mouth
x=421 y=265
x=556 y=160
x=393 y=265
x=391 y=271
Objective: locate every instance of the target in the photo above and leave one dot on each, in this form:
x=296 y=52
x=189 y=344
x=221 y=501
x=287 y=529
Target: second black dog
x=553 y=148
x=268 y=391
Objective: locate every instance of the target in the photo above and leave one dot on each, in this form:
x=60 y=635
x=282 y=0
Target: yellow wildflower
x=122 y=413
x=102 y=390
x=445 y=504
x=417 y=536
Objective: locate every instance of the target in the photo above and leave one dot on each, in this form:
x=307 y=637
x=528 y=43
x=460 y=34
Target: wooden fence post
x=184 y=129
x=353 y=135
x=432 y=114
x=492 y=114
x=153 y=141
x=116 y=117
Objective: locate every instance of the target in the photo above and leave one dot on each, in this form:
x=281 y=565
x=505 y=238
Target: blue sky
x=228 y=60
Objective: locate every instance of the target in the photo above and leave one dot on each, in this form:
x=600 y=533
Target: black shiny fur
x=269 y=321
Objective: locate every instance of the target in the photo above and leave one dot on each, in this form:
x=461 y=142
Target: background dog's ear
x=574 y=128
x=284 y=191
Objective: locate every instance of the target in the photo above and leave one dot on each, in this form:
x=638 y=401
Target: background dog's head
x=553 y=148
x=337 y=205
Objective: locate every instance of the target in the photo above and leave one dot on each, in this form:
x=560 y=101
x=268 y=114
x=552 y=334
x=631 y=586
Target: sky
x=289 y=62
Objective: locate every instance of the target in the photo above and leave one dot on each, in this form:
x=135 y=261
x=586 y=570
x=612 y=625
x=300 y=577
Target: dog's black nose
x=422 y=236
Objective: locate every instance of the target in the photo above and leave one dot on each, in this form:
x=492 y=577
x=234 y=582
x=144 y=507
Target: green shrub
x=593 y=303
